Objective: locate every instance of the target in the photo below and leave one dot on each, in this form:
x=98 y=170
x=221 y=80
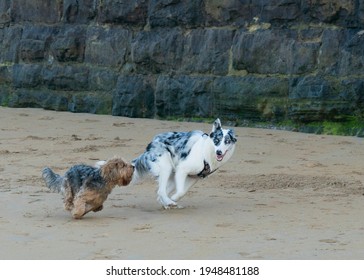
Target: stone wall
x=241 y=60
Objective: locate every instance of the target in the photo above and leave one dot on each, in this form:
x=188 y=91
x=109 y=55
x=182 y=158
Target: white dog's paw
x=167 y=207
x=173 y=206
x=167 y=203
x=100 y=163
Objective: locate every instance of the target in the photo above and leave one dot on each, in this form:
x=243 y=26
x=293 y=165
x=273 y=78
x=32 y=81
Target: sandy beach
x=283 y=195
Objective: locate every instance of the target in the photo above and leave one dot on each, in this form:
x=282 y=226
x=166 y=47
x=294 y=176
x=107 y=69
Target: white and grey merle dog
x=179 y=159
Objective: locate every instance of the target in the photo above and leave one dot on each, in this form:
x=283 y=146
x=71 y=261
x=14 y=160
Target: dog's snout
x=219 y=152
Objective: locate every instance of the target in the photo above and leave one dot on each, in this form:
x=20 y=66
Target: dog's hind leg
x=165 y=173
x=183 y=184
x=171 y=186
x=68 y=196
x=163 y=191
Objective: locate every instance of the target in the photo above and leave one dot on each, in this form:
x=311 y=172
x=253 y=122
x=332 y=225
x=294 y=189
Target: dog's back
x=176 y=145
x=53 y=181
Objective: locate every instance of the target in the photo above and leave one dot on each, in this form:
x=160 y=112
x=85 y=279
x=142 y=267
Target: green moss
x=4 y=99
x=189 y=119
x=351 y=126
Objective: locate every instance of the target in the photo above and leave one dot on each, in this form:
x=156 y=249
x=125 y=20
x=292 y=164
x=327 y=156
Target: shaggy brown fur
x=85 y=188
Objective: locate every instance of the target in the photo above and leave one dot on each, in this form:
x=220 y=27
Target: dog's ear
x=231 y=133
x=216 y=125
x=110 y=168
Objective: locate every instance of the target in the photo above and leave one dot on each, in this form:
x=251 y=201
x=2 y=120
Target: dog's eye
x=227 y=141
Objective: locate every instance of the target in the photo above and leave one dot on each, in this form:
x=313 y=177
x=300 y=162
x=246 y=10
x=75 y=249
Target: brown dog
x=85 y=188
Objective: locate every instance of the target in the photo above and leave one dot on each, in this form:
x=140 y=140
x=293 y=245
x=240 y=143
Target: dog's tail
x=53 y=181
x=141 y=166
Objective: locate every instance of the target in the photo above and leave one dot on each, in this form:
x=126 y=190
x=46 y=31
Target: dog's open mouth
x=220 y=157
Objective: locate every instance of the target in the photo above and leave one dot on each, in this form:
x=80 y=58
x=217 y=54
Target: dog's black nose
x=219 y=153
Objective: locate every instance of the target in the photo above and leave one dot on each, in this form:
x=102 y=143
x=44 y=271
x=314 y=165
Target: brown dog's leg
x=79 y=209
x=68 y=196
x=98 y=208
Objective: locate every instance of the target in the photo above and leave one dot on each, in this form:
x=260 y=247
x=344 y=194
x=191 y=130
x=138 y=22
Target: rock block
x=250 y=98
x=172 y=13
x=132 y=12
x=184 y=96
x=108 y=47
x=134 y=97
x=36 y=11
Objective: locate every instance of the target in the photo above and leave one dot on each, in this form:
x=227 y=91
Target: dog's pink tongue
x=219 y=157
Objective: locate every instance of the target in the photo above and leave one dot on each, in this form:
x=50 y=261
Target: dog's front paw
x=170 y=206
x=98 y=208
x=167 y=203
x=173 y=206
x=100 y=163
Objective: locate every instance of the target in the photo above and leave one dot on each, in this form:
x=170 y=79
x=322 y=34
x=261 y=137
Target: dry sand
x=283 y=195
